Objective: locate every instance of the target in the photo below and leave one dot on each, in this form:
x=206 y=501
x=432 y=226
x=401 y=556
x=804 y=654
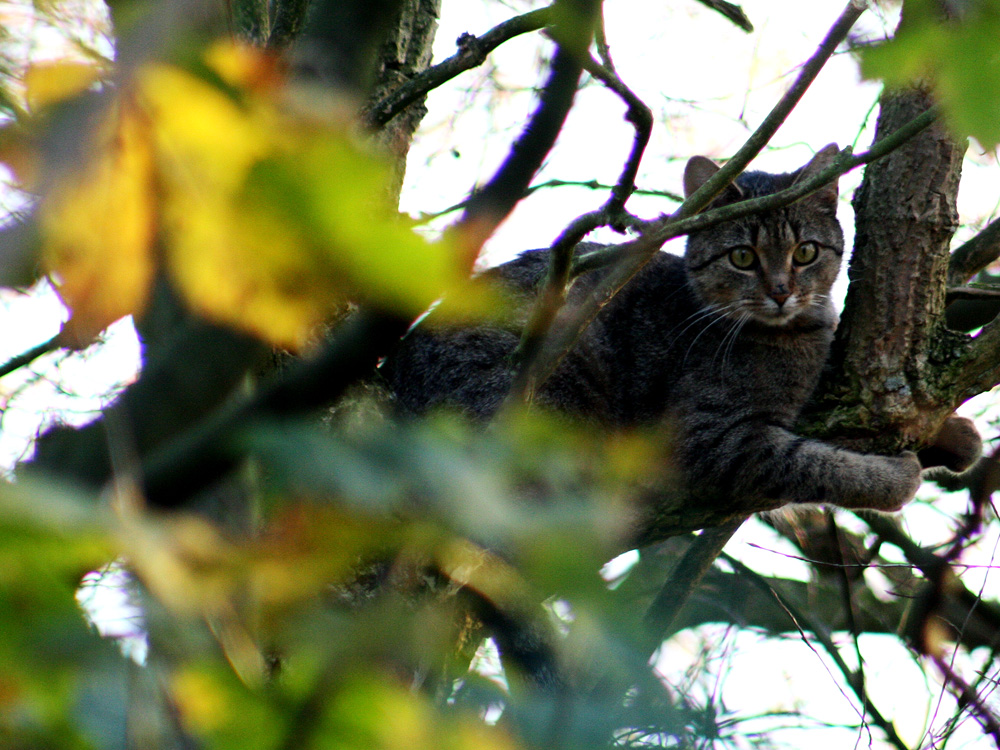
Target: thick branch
x=197 y=370
x=893 y=367
x=211 y=450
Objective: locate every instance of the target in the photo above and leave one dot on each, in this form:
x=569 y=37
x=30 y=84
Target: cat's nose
x=780 y=294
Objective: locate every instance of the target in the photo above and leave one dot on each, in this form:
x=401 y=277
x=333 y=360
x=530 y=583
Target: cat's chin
x=777 y=318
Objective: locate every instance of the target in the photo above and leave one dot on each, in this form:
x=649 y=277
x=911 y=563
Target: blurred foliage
x=267 y=218
x=345 y=622
x=959 y=57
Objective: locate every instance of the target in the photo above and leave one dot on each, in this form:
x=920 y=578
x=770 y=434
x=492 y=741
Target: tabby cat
x=724 y=344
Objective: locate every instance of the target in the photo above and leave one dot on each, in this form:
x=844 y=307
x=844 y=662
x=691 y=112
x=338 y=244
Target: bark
x=406 y=52
x=890 y=383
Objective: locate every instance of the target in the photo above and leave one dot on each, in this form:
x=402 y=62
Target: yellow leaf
x=97 y=226
x=53 y=81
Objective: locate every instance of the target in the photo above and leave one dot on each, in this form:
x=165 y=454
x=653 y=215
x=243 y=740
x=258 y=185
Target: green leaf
x=960 y=59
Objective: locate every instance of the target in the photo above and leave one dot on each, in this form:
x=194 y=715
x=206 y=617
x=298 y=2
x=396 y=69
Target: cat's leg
x=769 y=461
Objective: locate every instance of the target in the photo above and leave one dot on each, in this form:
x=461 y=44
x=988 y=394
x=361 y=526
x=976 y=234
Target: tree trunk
x=887 y=386
x=406 y=52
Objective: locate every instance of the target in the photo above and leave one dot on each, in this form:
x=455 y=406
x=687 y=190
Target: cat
x=724 y=345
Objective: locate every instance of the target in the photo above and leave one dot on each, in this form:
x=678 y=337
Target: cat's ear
x=698 y=171
x=826 y=195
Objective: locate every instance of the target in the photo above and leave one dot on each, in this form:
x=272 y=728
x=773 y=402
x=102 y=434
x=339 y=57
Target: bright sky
x=708 y=84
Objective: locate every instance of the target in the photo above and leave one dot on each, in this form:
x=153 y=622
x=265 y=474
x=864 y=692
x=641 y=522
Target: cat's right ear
x=698 y=171
x=827 y=194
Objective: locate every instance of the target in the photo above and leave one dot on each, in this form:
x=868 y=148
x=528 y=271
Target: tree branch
x=553 y=294
x=684 y=579
x=853 y=679
x=972 y=257
x=731 y=11
x=472 y=52
x=211 y=450
x=492 y=203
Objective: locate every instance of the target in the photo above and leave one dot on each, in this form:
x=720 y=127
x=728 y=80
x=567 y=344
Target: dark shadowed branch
x=974 y=255
x=211 y=449
x=731 y=11
x=685 y=578
x=553 y=293
x=804 y=619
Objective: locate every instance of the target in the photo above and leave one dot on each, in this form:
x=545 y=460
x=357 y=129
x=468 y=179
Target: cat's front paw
x=902 y=479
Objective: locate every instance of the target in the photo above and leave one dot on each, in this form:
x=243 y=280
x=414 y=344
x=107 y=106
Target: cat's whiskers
x=722 y=315
x=729 y=340
x=708 y=310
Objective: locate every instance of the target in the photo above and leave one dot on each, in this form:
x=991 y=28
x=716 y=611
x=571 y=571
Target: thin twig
x=641 y=118
x=819 y=630
x=26 y=358
x=613 y=213
x=472 y=52
x=556 y=183
x=846 y=590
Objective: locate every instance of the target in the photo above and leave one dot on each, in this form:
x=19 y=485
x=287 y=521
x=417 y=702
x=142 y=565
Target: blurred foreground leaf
x=61 y=685
x=960 y=58
x=268 y=220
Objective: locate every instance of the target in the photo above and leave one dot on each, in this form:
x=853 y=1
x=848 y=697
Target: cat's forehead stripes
x=775 y=233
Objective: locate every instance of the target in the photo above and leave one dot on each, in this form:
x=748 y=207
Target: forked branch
x=472 y=52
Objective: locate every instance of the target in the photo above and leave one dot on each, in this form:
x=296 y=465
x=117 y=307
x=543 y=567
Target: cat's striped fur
x=725 y=345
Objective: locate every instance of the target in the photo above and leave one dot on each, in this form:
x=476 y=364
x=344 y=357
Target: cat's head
x=772 y=266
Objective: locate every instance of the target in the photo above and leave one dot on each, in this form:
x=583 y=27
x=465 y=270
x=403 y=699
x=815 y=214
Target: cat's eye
x=805 y=253
x=742 y=257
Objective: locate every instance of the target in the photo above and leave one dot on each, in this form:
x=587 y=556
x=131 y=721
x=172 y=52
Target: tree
x=353 y=569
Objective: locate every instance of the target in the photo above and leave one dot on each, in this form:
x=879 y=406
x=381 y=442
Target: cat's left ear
x=826 y=195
